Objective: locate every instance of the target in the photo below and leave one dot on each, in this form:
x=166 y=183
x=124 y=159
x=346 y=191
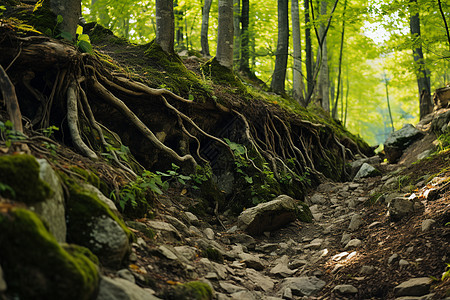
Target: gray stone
x=126 y=274
x=252 y=261
x=187 y=252
x=399 y=141
x=427 y=224
x=392 y=258
x=167 y=253
x=367 y=270
x=282 y=269
x=52 y=210
x=166 y=232
x=264 y=282
x=192 y=218
x=366 y=171
x=180 y=226
x=346 y=237
x=268 y=216
x=315 y=244
x=287 y=294
x=297 y=263
x=121 y=289
x=413 y=287
x=108 y=240
x=345 y=289
x=244 y=295
x=231 y=288
x=403 y=263
x=302 y=286
x=355 y=222
x=209 y=233
x=3 y=285
x=401 y=207
x=355 y=243
x=92 y=189
x=318 y=199
x=243 y=239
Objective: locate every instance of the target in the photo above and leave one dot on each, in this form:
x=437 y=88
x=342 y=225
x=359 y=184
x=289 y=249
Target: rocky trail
x=356 y=247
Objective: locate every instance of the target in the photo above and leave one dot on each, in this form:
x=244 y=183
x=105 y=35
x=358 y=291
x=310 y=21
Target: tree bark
x=422 y=73
x=205 y=26
x=445 y=22
x=224 y=53
x=11 y=102
x=297 y=77
x=308 y=50
x=279 y=74
x=324 y=80
x=237 y=32
x=244 y=65
x=334 y=114
x=165 y=25
x=70 y=10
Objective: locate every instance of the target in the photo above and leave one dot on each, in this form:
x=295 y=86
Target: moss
x=77 y=250
x=99 y=34
x=36 y=266
x=194 y=290
x=213 y=254
x=303 y=213
x=222 y=75
x=19 y=171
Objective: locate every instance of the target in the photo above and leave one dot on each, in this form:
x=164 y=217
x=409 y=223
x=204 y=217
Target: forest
x=368 y=58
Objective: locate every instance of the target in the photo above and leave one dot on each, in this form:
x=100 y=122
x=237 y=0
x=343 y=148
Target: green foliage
x=9 y=135
x=213 y=254
x=446 y=274
x=194 y=290
x=443 y=142
x=174 y=175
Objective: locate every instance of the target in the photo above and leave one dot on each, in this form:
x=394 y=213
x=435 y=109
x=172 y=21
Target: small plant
x=48 y=132
x=9 y=135
x=446 y=274
x=121 y=152
x=6 y=188
x=173 y=175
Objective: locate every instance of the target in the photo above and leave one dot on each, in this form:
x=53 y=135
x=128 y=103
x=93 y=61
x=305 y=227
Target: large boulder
x=271 y=215
x=92 y=224
x=440 y=122
x=400 y=140
x=365 y=171
x=36 y=267
x=401 y=207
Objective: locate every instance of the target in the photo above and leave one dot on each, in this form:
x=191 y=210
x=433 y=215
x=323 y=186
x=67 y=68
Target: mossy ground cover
x=36 y=266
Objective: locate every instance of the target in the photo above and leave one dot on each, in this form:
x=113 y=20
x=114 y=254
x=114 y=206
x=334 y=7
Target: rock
x=401 y=207
x=209 y=233
x=180 y=226
x=399 y=141
x=346 y=237
x=315 y=244
x=243 y=239
x=427 y=224
x=365 y=171
x=3 y=285
x=35 y=266
x=392 y=258
x=231 y=288
x=297 y=263
x=355 y=243
x=165 y=231
x=367 y=270
x=282 y=268
x=356 y=165
x=187 y=252
x=52 y=210
x=252 y=261
x=121 y=289
x=403 y=263
x=413 y=287
x=440 y=121
x=126 y=274
x=268 y=216
x=192 y=218
x=147 y=231
x=264 y=282
x=302 y=286
x=92 y=189
x=191 y=290
x=355 y=222
x=287 y=294
x=318 y=199
x=244 y=295
x=345 y=289
x=167 y=253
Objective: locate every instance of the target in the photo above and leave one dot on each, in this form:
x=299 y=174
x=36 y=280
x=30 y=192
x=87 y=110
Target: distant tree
x=70 y=10
x=244 y=65
x=335 y=105
x=422 y=73
x=224 y=53
x=237 y=32
x=308 y=51
x=205 y=26
x=324 y=80
x=279 y=74
x=165 y=25
x=298 y=85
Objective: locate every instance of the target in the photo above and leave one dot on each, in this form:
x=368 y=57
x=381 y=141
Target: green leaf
x=248 y=179
x=85 y=47
x=65 y=35
x=191 y=97
x=59 y=19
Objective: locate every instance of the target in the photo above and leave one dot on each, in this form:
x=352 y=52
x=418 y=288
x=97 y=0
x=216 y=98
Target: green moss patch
x=36 y=266
x=213 y=254
x=21 y=174
x=194 y=290
x=303 y=213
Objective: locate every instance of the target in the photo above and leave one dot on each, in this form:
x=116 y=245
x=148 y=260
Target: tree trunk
x=224 y=53
x=237 y=32
x=279 y=74
x=178 y=15
x=422 y=73
x=244 y=65
x=334 y=114
x=205 y=26
x=298 y=86
x=324 y=81
x=308 y=50
x=165 y=25
x=70 y=10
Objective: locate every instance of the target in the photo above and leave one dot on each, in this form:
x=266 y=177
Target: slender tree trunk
x=165 y=25
x=70 y=10
x=422 y=73
x=244 y=65
x=324 y=81
x=308 y=50
x=386 y=83
x=297 y=77
x=224 y=53
x=334 y=114
x=205 y=26
x=279 y=74
x=186 y=30
x=346 y=98
x=237 y=32
x=445 y=22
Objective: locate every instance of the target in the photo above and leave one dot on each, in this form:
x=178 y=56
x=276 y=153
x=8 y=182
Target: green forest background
x=377 y=55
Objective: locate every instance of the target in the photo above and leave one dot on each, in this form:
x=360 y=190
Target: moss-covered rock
x=36 y=266
x=92 y=224
x=18 y=172
x=303 y=212
x=194 y=290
